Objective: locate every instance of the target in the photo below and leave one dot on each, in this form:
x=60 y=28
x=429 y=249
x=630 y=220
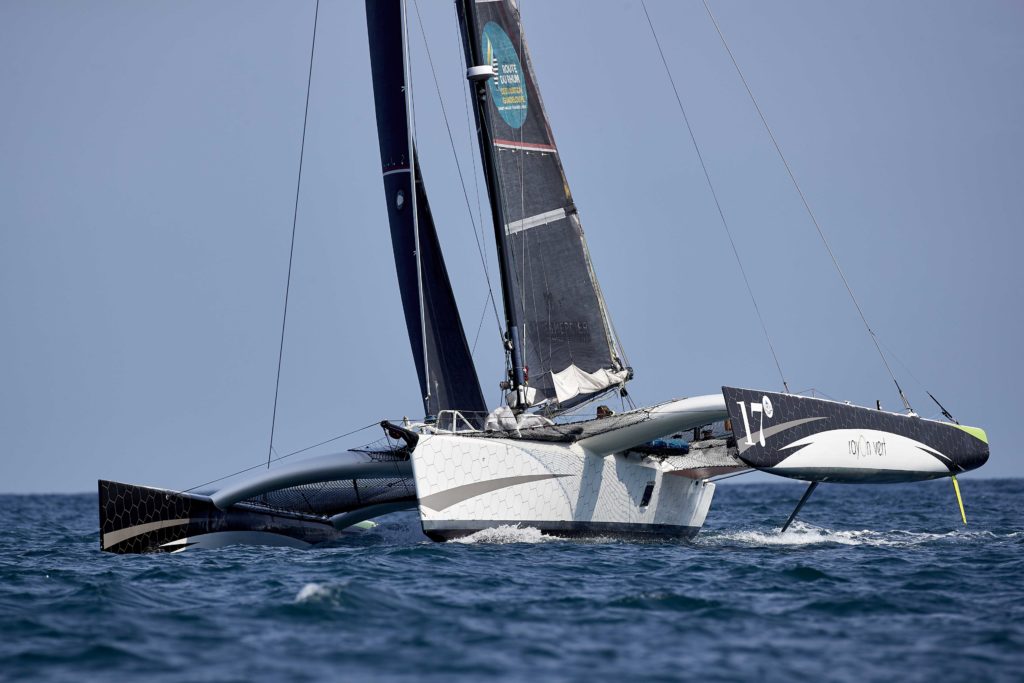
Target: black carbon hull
x=138 y=519
x=814 y=439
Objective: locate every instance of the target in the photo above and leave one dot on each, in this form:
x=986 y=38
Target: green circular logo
x=508 y=87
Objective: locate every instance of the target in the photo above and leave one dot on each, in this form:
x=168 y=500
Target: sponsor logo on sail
x=508 y=87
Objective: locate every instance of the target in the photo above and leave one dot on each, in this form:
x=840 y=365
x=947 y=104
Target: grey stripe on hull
x=220 y=539
x=449 y=529
x=445 y=499
x=114 y=537
x=742 y=445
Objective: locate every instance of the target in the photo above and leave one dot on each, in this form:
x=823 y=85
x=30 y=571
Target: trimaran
x=644 y=472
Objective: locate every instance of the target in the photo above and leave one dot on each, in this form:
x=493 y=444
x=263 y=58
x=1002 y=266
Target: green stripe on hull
x=976 y=432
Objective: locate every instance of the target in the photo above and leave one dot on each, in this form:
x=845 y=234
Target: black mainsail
x=563 y=345
x=447 y=376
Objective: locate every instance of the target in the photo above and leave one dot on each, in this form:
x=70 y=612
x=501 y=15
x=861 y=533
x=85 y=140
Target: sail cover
x=566 y=338
x=450 y=380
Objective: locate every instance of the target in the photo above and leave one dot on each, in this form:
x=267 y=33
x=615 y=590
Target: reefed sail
x=444 y=365
x=553 y=297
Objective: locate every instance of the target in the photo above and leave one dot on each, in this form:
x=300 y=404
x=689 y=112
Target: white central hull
x=465 y=484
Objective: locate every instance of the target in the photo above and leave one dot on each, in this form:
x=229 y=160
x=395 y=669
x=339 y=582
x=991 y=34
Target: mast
x=407 y=89
x=478 y=77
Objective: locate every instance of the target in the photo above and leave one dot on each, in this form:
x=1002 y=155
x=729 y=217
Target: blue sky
x=148 y=155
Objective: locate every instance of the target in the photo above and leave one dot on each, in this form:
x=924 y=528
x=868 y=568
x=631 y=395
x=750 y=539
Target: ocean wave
x=740 y=602
x=319 y=593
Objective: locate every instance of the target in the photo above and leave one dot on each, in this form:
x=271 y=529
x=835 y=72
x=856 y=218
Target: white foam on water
x=803 y=534
x=794 y=536
x=317 y=592
x=506 y=533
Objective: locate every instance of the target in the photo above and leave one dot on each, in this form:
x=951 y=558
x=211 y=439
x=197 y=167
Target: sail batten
x=553 y=300
x=444 y=365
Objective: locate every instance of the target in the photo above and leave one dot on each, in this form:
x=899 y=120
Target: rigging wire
x=480 y=326
x=815 y=392
x=527 y=263
x=910 y=372
x=282 y=457
x=730 y=476
x=718 y=205
x=458 y=166
x=291 y=251
x=410 y=106
x=807 y=206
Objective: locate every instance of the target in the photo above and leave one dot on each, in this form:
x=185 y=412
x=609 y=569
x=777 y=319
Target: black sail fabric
x=558 y=305
x=450 y=381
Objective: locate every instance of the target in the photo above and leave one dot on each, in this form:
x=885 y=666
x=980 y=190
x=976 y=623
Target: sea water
x=872 y=583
